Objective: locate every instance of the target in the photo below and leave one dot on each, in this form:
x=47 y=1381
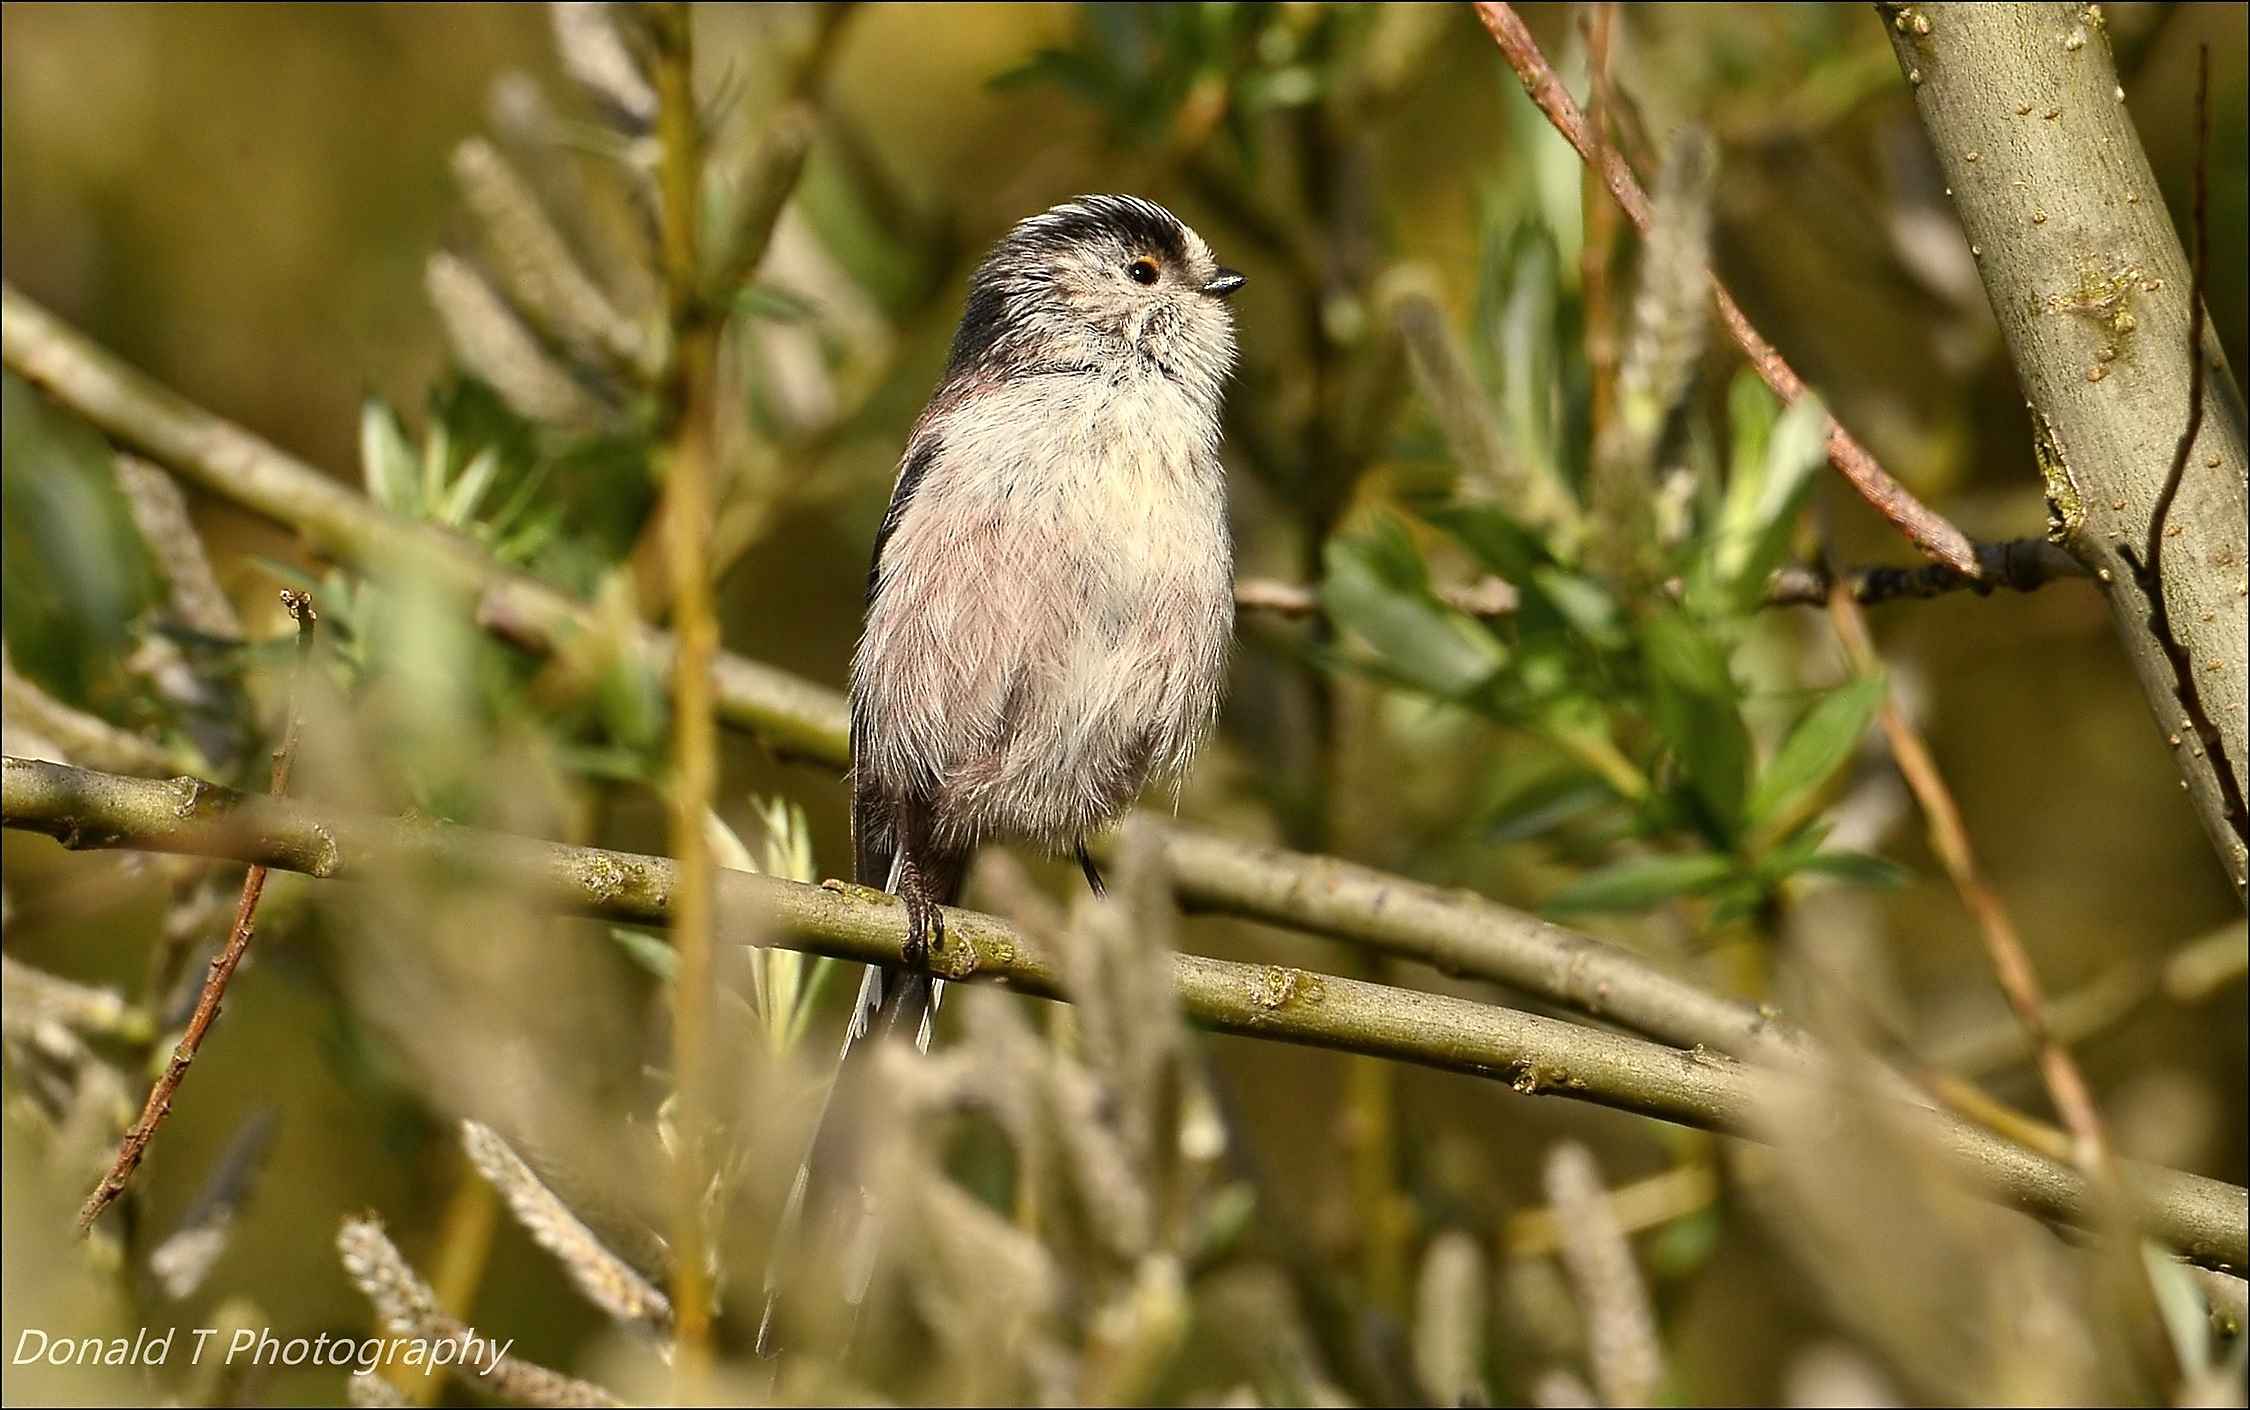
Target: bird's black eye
x=1143 y=270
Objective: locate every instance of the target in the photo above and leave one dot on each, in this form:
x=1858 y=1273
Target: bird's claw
x=925 y=931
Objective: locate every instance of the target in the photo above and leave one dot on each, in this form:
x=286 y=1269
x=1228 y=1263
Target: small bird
x=1051 y=600
x=1050 y=606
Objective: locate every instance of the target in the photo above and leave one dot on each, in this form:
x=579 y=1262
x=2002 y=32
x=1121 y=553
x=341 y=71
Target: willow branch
x=1924 y=527
x=2098 y=303
x=2204 y=1219
x=137 y=1137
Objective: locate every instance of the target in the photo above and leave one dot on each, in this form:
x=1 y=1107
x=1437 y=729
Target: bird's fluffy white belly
x=1041 y=644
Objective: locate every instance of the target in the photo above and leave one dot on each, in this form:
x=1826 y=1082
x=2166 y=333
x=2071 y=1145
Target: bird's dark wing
x=874 y=844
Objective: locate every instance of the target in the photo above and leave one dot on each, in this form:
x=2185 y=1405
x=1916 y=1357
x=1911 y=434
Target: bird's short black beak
x=1223 y=283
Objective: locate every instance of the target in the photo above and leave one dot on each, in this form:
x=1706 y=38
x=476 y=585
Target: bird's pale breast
x=1051 y=621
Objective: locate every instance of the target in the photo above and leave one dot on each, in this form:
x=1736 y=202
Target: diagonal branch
x=2098 y=302
x=167 y=1085
x=1924 y=527
x=2203 y=1218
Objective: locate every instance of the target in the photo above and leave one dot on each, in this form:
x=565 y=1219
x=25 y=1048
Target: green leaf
x=1643 y=882
x=1858 y=868
x=1697 y=711
x=648 y=951
x=1420 y=639
x=387 y=463
x=1544 y=802
x=468 y=488
x=1764 y=494
x=1496 y=538
x=1816 y=748
x=774 y=304
x=1585 y=604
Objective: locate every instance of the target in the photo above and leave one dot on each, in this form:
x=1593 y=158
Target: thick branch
x=2094 y=295
x=2203 y=1218
x=1923 y=526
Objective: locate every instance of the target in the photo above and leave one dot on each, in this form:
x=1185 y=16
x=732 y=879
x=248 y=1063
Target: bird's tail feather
x=891 y=1000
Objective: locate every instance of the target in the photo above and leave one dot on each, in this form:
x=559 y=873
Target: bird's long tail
x=893 y=1002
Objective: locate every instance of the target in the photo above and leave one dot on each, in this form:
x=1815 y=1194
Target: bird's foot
x=925 y=924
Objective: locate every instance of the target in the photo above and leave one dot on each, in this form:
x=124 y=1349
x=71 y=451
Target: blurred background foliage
x=340 y=227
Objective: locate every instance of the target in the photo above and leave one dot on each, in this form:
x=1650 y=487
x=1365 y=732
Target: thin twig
x=1598 y=250
x=688 y=499
x=1486 y=597
x=159 y=1104
x=2202 y=1218
x=2011 y=963
x=2016 y=565
x=1924 y=527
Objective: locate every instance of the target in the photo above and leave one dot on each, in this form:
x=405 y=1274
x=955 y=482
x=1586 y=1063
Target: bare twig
x=688 y=498
x=2204 y=1219
x=159 y=1104
x=2019 y=565
x=2011 y=963
x=1486 y=597
x=2016 y=565
x=1924 y=527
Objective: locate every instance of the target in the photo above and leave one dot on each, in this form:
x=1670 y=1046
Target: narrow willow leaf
x=1816 y=748
x=1642 y=882
x=1426 y=643
x=1858 y=868
x=1762 y=499
x=387 y=464
x=1697 y=710
x=468 y=489
x=647 y=951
